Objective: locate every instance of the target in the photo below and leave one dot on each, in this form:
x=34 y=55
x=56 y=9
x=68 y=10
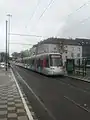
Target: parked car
x=2 y=64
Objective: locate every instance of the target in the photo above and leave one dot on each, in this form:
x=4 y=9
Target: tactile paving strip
x=11 y=106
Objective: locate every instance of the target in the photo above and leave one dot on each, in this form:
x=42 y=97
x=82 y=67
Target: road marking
x=77 y=88
x=46 y=109
x=69 y=99
x=23 y=100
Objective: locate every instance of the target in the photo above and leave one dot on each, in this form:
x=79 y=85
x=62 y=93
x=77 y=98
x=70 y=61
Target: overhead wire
x=21 y=43
x=86 y=19
x=86 y=3
x=51 y=2
x=33 y=13
x=79 y=23
x=17 y=34
x=79 y=8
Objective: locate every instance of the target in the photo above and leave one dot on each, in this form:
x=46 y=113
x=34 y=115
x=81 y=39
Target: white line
x=76 y=103
x=76 y=88
x=46 y=109
x=23 y=100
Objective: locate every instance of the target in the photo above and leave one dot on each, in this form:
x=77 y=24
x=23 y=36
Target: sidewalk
x=11 y=104
x=79 y=77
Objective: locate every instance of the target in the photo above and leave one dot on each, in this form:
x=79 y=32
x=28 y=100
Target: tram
x=47 y=63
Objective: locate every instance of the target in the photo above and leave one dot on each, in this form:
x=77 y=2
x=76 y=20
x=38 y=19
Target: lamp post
x=6 y=44
x=9 y=15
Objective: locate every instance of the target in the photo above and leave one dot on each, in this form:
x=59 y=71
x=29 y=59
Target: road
x=55 y=98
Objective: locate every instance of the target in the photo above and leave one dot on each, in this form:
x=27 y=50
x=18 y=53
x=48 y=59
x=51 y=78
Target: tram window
x=55 y=61
x=33 y=62
x=41 y=63
x=29 y=61
x=22 y=61
x=25 y=61
x=38 y=63
x=47 y=62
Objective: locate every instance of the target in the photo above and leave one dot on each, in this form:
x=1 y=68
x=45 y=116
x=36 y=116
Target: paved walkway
x=79 y=77
x=11 y=105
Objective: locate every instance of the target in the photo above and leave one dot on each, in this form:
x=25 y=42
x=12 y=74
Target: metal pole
x=8 y=37
x=6 y=44
x=85 y=66
x=8 y=34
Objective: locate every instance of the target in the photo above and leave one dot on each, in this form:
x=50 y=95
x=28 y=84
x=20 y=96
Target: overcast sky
x=63 y=18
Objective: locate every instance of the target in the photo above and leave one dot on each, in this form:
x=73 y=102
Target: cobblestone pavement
x=11 y=105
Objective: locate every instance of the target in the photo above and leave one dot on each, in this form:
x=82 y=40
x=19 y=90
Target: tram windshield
x=55 y=60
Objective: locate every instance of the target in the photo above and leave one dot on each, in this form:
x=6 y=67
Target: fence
x=77 y=66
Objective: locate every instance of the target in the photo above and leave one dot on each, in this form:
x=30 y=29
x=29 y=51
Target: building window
x=78 y=55
x=72 y=48
x=72 y=55
x=54 y=48
x=79 y=49
x=66 y=57
x=65 y=47
x=66 y=51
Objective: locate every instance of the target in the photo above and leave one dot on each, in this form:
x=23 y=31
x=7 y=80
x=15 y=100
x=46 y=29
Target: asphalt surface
x=55 y=98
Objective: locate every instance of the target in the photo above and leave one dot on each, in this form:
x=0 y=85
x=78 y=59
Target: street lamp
x=6 y=44
x=9 y=15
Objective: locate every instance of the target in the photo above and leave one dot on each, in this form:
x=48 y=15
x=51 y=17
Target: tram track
x=80 y=85
x=57 y=94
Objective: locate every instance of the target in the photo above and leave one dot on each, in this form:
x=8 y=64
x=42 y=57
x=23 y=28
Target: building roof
x=64 y=41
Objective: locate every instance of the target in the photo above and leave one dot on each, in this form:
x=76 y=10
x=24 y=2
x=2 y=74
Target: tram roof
x=25 y=58
x=48 y=54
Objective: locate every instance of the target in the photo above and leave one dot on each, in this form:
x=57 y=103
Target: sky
x=63 y=18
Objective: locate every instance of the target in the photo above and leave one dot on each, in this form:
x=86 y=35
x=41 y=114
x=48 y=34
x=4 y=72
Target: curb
x=28 y=112
x=85 y=80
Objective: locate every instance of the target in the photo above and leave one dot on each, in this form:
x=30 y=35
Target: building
x=67 y=47
x=61 y=42
x=72 y=52
x=33 y=50
x=85 y=43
